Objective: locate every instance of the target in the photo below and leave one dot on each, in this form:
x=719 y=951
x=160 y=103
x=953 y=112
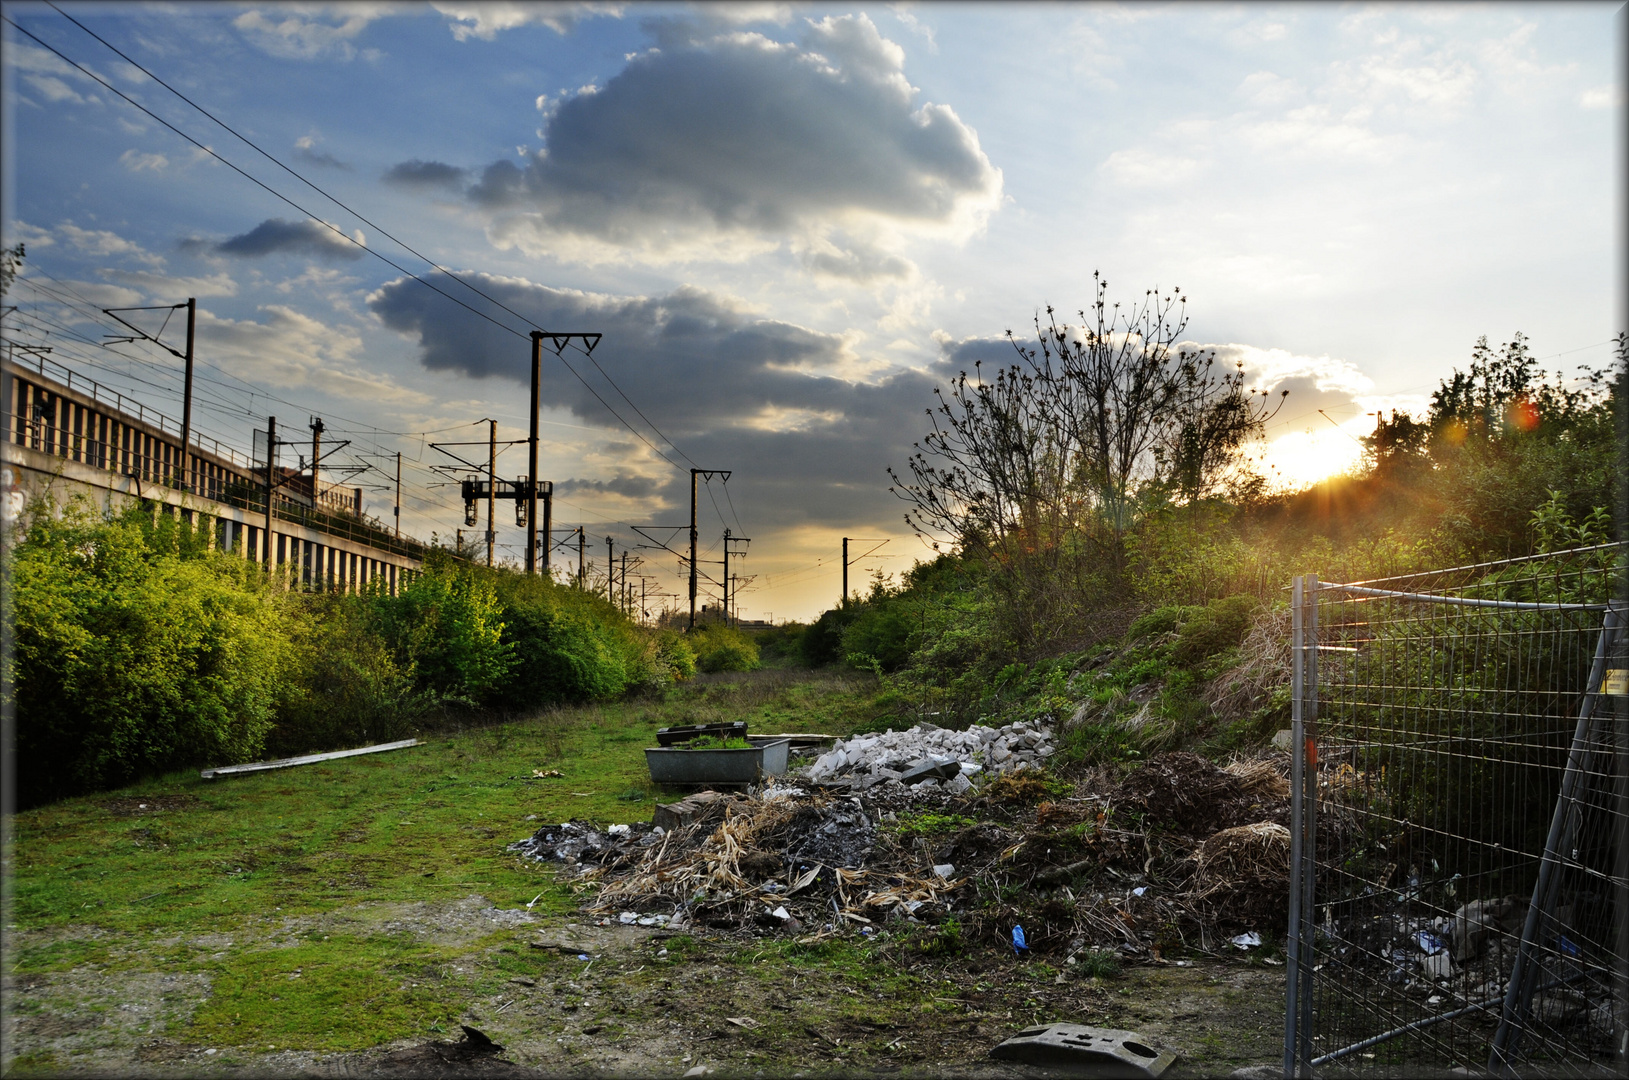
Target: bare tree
x=1064 y=450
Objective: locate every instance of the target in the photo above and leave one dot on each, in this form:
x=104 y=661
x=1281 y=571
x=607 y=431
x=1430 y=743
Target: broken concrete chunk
x=1086 y=1051
x=931 y=768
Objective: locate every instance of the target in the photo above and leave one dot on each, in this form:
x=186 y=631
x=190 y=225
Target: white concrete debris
x=879 y=758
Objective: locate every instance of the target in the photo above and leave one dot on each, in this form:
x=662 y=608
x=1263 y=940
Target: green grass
x=416 y=825
x=337 y=993
x=401 y=826
x=204 y=884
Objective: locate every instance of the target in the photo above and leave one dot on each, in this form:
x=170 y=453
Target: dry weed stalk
x=1259 y=778
x=1264 y=663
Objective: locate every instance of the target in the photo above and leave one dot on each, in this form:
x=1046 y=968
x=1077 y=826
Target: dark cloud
x=326 y=161
x=763 y=397
x=426 y=174
x=743 y=133
x=990 y=351
x=859 y=263
x=634 y=487
x=275 y=236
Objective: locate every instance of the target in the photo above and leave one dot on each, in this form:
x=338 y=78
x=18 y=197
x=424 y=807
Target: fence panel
x=1461 y=900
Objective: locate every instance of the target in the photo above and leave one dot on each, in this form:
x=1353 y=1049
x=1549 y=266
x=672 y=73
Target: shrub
x=445 y=626
x=136 y=650
x=723 y=648
x=569 y=645
x=345 y=689
x=1219 y=625
x=822 y=643
x=785 y=640
x=880 y=637
x=1162 y=620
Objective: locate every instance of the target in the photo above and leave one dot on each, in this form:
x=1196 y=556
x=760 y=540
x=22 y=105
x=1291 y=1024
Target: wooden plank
x=287 y=763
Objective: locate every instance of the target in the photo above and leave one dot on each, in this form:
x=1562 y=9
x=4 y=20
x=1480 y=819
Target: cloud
x=289 y=350
x=53 y=89
x=858 y=261
x=765 y=397
x=304 y=149
x=487 y=20
x=426 y=174
x=49 y=75
x=727 y=144
x=139 y=162
x=292 y=33
x=632 y=487
x=1601 y=97
x=103 y=244
x=167 y=288
x=102 y=294
x=33 y=235
x=275 y=236
x=1141 y=168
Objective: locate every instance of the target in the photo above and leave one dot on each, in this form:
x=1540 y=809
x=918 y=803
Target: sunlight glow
x=1300 y=458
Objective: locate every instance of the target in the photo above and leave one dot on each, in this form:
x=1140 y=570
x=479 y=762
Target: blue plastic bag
x=1019 y=945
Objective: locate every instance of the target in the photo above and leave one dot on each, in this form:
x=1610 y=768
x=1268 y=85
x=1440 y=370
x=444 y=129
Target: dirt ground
x=648 y=1003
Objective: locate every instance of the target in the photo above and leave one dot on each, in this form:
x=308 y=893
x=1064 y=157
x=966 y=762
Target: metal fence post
x=1308 y=750
x=1295 y=969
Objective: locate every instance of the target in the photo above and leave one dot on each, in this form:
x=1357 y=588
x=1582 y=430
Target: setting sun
x=1305 y=457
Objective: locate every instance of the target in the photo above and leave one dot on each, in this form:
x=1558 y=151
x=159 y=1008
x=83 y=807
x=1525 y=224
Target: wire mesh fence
x=1460 y=869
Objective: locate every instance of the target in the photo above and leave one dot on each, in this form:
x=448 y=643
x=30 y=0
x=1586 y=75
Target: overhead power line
x=336 y=230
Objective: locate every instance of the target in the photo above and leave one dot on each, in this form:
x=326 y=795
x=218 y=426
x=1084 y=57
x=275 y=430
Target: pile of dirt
x=1177 y=854
x=1188 y=795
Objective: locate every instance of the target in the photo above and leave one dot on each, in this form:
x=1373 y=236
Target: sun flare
x=1301 y=458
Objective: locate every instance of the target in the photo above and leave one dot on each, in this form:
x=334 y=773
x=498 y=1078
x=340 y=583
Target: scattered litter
x=742 y=1021
x=848 y=856
x=551 y=774
x=1429 y=943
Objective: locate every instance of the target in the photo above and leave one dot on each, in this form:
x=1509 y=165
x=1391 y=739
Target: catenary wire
x=336 y=230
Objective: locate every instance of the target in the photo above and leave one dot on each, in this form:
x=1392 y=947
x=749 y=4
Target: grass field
x=271 y=921
x=185 y=862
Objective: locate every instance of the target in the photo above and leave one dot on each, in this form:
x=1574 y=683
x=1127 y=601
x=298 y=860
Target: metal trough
x=678 y=767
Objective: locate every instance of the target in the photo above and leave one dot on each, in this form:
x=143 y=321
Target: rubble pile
x=926 y=757
x=1104 y=865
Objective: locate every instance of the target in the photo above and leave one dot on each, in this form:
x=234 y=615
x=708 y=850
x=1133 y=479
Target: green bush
x=674 y=654
x=822 y=643
x=881 y=637
x=1162 y=620
x=783 y=641
x=568 y=645
x=345 y=688
x=723 y=648
x=445 y=626
x=1219 y=625
x=136 y=650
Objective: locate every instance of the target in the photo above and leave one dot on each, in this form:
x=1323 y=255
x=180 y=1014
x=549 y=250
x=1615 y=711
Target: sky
x=790 y=224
